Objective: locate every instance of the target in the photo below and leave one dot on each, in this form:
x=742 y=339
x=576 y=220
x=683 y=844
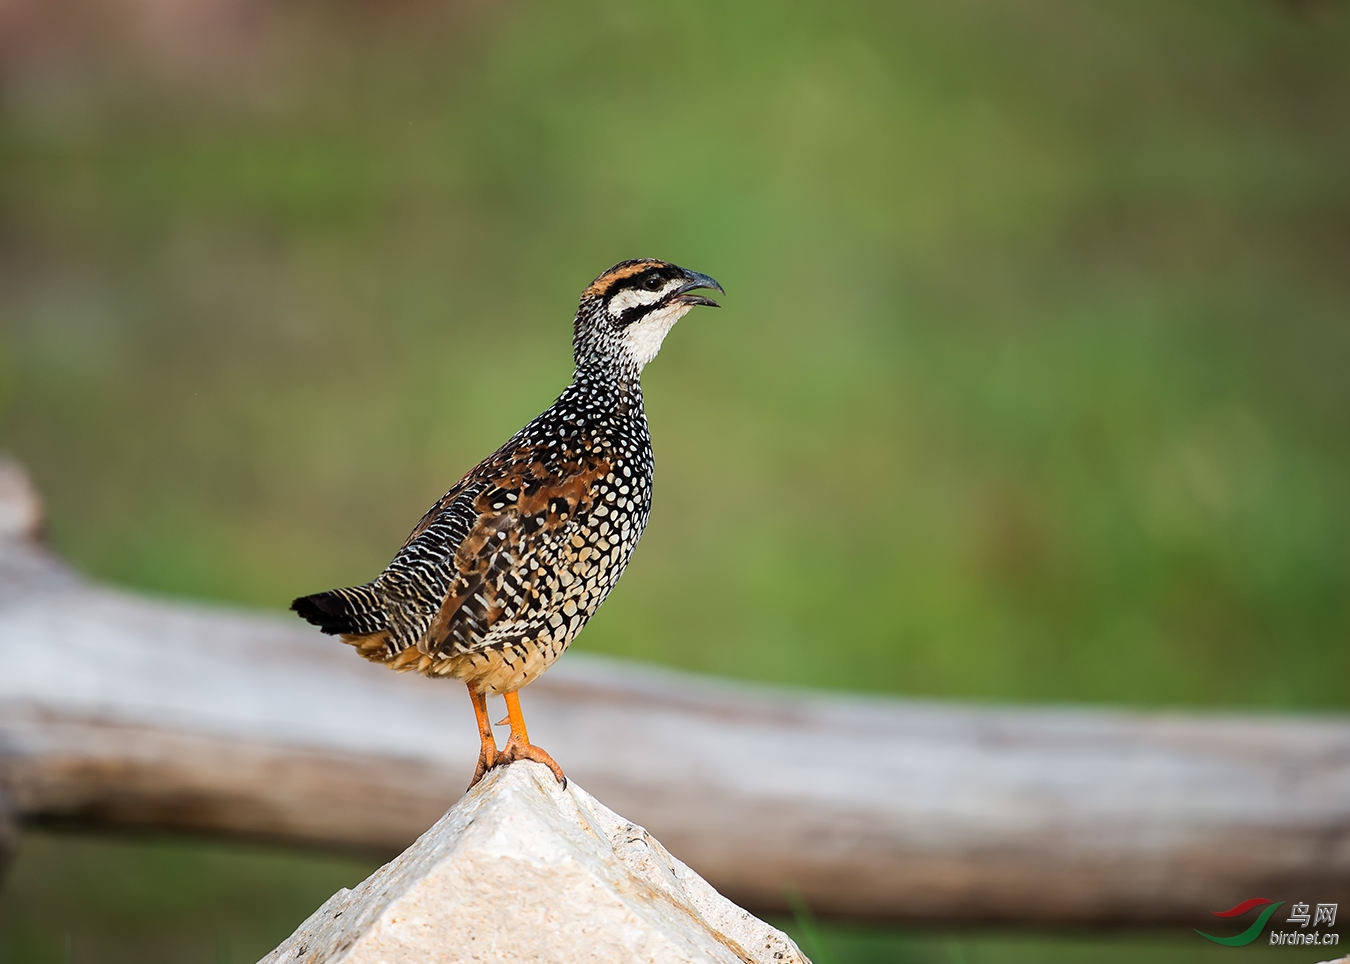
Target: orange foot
x=518 y=747
x=527 y=751
x=488 y=757
x=486 y=761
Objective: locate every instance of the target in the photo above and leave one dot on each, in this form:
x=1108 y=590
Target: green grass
x=847 y=944
x=75 y=899
x=1030 y=384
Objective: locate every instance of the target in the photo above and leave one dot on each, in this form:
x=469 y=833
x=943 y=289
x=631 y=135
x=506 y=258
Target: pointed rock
x=522 y=870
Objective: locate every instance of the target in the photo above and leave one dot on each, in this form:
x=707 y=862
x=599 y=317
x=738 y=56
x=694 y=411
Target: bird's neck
x=609 y=384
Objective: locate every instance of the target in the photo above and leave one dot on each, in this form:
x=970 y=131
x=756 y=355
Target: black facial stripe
x=633 y=314
x=637 y=282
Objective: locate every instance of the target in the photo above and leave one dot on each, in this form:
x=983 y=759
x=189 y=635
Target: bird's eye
x=653 y=282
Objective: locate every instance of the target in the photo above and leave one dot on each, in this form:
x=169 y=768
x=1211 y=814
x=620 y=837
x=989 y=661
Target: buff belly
x=497 y=671
x=583 y=567
x=490 y=671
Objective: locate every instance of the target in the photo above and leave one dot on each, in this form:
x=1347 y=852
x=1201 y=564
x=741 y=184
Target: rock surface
x=521 y=869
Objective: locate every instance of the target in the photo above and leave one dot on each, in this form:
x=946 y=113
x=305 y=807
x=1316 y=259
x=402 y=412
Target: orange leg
x=487 y=756
x=518 y=747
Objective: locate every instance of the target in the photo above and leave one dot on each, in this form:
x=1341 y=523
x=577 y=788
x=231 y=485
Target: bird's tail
x=357 y=611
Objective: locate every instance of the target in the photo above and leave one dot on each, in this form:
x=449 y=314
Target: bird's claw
x=486 y=761
x=528 y=751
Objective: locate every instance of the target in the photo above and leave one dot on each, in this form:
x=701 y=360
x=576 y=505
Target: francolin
x=505 y=569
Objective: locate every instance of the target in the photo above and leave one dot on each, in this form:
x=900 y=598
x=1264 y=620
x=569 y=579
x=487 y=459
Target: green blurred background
x=1030 y=384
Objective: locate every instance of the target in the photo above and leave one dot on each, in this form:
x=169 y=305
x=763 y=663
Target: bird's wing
x=485 y=556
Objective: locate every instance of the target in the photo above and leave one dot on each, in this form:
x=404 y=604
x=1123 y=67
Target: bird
x=503 y=571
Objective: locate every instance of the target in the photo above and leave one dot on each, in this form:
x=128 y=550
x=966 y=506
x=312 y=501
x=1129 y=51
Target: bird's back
x=502 y=572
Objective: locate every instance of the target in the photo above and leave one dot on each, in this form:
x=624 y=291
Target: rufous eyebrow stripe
x=603 y=283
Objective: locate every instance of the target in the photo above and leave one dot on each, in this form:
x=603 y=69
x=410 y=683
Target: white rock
x=522 y=870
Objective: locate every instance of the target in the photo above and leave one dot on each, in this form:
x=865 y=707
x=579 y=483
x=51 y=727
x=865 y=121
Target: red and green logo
x=1251 y=933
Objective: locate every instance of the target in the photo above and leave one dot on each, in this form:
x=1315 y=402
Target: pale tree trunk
x=119 y=710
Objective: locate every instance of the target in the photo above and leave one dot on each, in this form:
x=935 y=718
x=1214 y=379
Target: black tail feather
x=355 y=611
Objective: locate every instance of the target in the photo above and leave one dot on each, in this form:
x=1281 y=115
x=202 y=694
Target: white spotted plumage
x=506 y=568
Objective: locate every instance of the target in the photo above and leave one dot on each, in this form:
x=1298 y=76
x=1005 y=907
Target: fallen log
x=121 y=710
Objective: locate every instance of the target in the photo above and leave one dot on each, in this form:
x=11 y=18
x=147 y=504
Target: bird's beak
x=695 y=282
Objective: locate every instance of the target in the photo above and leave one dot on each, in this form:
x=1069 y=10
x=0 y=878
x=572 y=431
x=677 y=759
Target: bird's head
x=625 y=313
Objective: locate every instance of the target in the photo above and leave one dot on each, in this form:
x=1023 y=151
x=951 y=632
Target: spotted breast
x=500 y=575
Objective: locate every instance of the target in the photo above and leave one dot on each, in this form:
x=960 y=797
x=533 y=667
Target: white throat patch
x=642 y=339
